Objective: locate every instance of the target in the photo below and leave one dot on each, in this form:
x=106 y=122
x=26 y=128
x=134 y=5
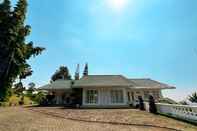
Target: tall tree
x=15 y=51
x=193 y=97
x=31 y=87
x=77 y=73
x=25 y=73
x=61 y=73
x=85 y=72
x=19 y=88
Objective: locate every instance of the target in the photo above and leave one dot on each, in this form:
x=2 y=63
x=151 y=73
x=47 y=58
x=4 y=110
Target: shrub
x=27 y=101
x=4 y=104
x=14 y=100
x=40 y=98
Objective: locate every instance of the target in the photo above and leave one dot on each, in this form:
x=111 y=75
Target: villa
x=104 y=90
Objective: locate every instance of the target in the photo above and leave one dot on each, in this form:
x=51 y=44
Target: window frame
x=91 y=96
x=117 y=96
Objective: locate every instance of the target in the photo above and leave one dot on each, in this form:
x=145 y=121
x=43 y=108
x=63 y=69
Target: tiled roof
x=57 y=85
x=102 y=80
x=148 y=83
x=106 y=81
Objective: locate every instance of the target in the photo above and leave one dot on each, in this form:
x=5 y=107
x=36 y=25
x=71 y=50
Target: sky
x=154 y=39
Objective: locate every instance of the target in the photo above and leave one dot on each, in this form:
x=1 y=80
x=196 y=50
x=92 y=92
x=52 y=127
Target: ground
x=60 y=119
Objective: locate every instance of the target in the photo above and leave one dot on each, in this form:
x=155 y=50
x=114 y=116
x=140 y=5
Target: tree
x=31 y=88
x=61 y=73
x=15 y=51
x=40 y=98
x=85 y=72
x=25 y=73
x=193 y=97
x=18 y=88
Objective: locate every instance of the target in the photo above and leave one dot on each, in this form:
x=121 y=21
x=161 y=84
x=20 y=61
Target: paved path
x=21 y=119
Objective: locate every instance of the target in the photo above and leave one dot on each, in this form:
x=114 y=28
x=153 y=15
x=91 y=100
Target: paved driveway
x=43 y=119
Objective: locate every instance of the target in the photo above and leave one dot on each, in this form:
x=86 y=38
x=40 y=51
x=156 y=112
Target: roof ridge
x=139 y=78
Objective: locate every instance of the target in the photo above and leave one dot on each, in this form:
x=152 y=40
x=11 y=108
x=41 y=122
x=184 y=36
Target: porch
x=115 y=96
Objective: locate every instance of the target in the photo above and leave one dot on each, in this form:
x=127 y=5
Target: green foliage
x=15 y=51
x=25 y=72
x=18 y=88
x=16 y=100
x=4 y=104
x=193 y=97
x=31 y=88
x=61 y=73
x=40 y=97
x=31 y=85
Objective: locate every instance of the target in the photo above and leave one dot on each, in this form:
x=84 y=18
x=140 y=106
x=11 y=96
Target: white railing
x=184 y=112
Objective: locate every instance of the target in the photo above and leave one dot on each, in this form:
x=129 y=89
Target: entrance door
x=77 y=96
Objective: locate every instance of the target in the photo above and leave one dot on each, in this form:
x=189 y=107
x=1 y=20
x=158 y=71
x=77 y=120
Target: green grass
x=14 y=101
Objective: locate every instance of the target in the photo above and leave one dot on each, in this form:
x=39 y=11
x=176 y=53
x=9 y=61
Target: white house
x=102 y=91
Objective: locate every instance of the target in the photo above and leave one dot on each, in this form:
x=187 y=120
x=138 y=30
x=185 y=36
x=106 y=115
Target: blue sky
x=137 y=38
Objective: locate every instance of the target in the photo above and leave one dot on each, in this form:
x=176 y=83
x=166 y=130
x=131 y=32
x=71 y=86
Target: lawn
x=117 y=116
x=60 y=119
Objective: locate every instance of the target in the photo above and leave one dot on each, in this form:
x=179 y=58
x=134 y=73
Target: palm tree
x=193 y=97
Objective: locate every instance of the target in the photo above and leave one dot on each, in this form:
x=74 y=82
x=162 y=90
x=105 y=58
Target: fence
x=184 y=112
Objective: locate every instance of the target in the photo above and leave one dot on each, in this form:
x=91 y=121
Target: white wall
x=185 y=112
x=104 y=96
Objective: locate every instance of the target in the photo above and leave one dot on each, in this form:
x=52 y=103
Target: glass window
x=116 y=96
x=92 y=96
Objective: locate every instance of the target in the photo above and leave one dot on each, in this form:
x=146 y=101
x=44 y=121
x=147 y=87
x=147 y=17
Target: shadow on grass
x=80 y=108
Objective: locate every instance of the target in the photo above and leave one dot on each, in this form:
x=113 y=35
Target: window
x=116 y=96
x=92 y=96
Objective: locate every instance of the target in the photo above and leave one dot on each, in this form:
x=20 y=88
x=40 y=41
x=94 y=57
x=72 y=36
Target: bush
x=4 y=104
x=14 y=100
x=40 y=98
x=27 y=101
